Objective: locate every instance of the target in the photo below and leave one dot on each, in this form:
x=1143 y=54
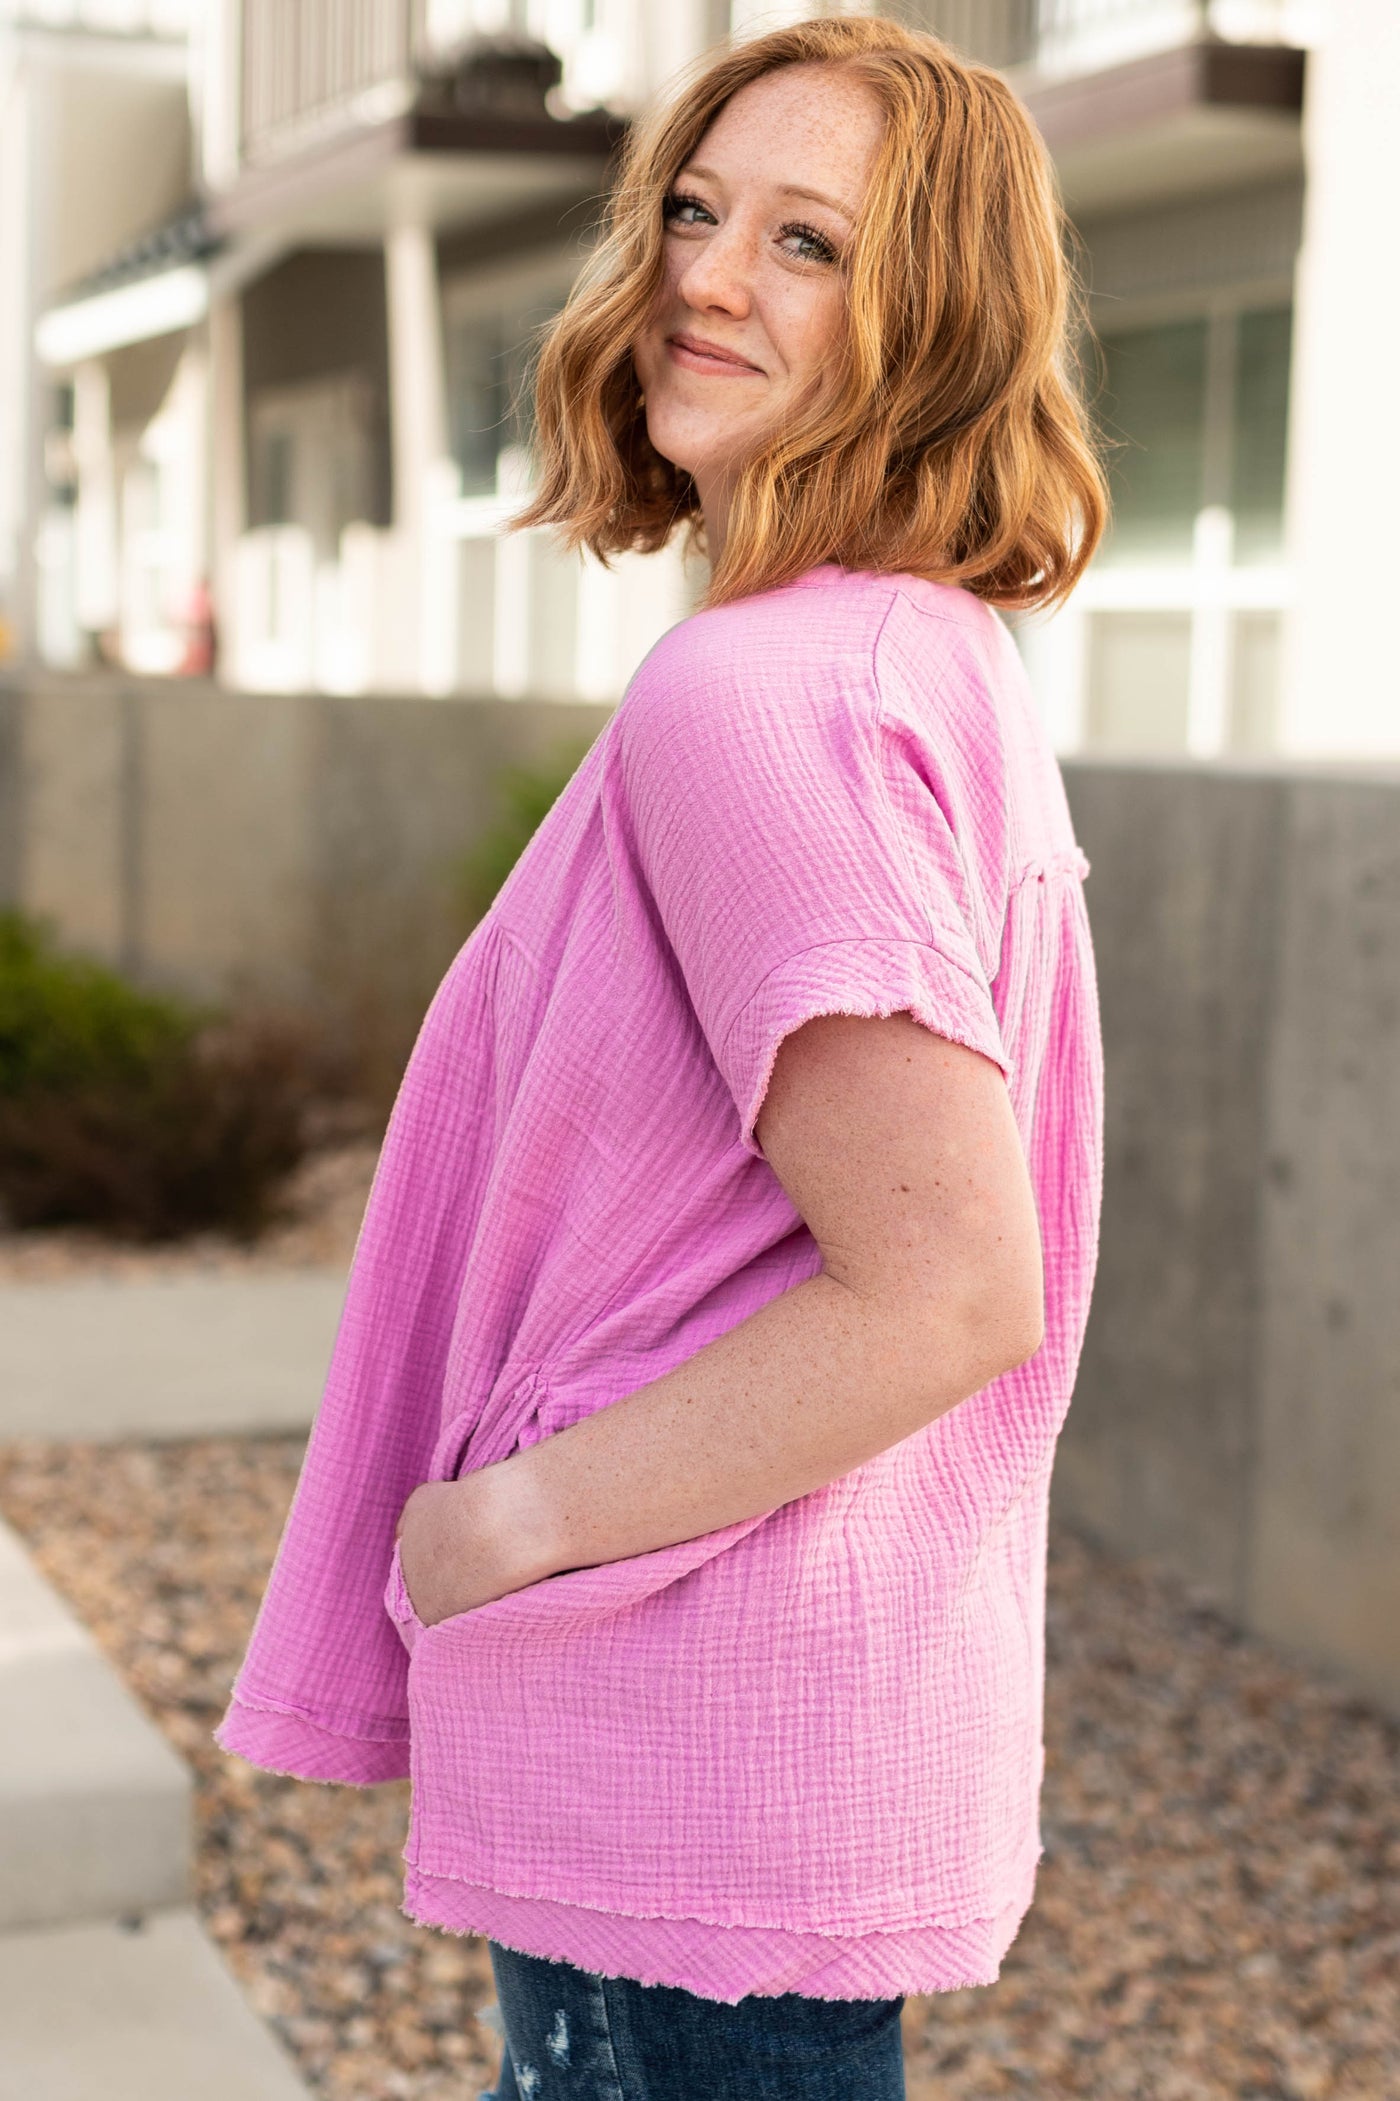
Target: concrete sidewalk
x=107 y=1359
x=141 y=2009
x=109 y=1988
x=95 y=1804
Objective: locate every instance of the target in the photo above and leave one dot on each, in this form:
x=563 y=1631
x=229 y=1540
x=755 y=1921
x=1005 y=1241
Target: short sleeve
x=797 y=852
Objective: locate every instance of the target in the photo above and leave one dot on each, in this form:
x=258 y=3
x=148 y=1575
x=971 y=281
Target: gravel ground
x=1218 y=1917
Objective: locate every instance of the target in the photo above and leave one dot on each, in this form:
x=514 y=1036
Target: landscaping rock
x=1218 y=1913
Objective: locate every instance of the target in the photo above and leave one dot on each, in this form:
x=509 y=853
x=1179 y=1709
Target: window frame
x=1208 y=587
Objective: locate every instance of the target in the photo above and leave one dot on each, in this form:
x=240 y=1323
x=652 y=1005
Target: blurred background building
x=270 y=269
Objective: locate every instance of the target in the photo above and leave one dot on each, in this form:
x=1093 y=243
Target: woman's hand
x=463 y=1543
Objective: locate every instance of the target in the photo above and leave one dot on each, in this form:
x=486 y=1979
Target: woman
x=721 y=1289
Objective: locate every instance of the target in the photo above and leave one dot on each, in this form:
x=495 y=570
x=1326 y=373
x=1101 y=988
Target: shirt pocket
x=399 y=1605
x=574 y=1599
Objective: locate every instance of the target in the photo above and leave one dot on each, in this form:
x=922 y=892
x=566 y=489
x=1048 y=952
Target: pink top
x=802 y=1753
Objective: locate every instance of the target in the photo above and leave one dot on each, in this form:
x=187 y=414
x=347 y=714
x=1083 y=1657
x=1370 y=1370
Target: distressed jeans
x=574 y=2035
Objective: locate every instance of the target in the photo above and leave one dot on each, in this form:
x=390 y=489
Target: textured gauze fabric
x=804 y=1752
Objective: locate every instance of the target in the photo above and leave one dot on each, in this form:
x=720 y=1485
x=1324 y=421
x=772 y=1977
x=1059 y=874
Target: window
x=1196 y=414
x=478 y=399
x=1176 y=646
x=312 y=454
x=1153 y=413
x=1260 y=432
x=491 y=343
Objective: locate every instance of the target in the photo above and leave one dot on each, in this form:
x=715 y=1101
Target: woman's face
x=753 y=298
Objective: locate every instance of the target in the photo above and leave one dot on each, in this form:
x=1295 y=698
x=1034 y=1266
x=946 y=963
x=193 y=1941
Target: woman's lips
x=698 y=356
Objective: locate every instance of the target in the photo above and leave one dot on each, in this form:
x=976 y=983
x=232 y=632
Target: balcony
x=1151 y=94
x=346 y=117
x=1140 y=101
x=1053 y=39
x=107 y=18
x=312 y=67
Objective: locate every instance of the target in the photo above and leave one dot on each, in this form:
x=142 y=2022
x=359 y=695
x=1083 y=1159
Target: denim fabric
x=574 y=2035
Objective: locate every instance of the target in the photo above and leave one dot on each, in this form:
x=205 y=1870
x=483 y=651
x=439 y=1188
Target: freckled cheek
x=649 y=352
x=807 y=334
x=667 y=298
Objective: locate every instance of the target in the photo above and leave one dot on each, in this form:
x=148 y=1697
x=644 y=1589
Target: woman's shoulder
x=812 y=643
x=792 y=618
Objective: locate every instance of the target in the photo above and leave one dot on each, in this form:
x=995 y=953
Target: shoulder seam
x=938 y=685
x=1070 y=860
x=879 y=732
x=936 y=613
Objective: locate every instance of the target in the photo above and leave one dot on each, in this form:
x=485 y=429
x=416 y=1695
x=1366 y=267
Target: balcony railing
x=1083 y=36
x=467 y=610
x=1056 y=37
x=136 y=18
x=310 y=64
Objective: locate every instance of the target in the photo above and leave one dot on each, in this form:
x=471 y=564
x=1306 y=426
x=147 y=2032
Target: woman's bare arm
x=899 y=1149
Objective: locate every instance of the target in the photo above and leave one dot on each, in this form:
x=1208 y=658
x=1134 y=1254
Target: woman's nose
x=719 y=274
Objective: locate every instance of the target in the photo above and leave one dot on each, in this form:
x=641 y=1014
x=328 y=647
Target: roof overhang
x=129 y=313
x=440 y=171
x=156 y=303
x=1202 y=117
x=446 y=171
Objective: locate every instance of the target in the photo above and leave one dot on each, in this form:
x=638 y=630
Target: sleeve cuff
x=304 y=1750
x=865 y=976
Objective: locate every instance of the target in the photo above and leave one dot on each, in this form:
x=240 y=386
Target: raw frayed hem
x=272 y=1736
x=286 y=1772
x=911 y=1991
x=840 y=1935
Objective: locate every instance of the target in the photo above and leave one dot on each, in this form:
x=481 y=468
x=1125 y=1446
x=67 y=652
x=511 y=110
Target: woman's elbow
x=1030 y=1333
x=1006 y=1319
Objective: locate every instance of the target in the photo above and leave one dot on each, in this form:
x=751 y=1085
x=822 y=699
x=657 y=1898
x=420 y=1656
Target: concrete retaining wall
x=301 y=847
x=1238 y=1409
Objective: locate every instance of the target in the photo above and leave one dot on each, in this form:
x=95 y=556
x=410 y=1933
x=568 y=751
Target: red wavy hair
x=952 y=441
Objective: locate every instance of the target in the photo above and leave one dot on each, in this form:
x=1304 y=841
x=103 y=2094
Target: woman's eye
x=815 y=247
x=680 y=208
x=677 y=208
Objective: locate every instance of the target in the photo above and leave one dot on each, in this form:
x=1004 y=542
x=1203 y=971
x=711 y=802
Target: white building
x=299 y=387
x=95 y=148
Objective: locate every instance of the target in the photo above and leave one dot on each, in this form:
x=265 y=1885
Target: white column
x=670 y=37
x=216 y=67
x=757 y=17
x=1212 y=636
x=1055 y=651
x=227 y=453
x=512 y=611
x=418 y=399
x=597 y=631
x=27 y=147
x=186 y=468
x=418 y=411
x=16 y=351
x=95 y=525
x=1341 y=694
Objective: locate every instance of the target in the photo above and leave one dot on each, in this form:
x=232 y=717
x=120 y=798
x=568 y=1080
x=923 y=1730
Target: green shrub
x=141 y=1113
x=525 y=795
x=65 y=1020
